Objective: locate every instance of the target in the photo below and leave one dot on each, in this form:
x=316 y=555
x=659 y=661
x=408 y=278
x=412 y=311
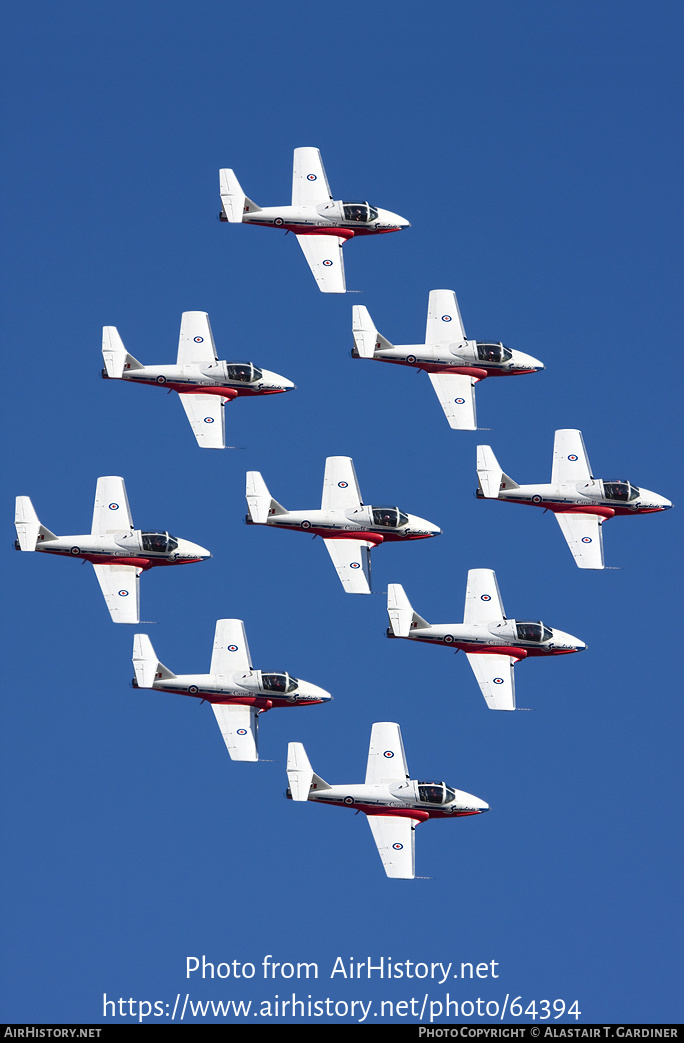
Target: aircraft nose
x=313 y=691
x=528 y=362
x=200 y=552
x=394 y=219
x=277 y=382
x=481 y=806
x=569 y=641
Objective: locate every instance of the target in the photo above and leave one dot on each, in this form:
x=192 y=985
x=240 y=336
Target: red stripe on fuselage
x=379 y=810
x=375 y=538
x=112 y=559
x=340 y=233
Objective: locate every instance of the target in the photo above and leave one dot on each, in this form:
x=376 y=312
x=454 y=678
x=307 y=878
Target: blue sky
x=534 y=149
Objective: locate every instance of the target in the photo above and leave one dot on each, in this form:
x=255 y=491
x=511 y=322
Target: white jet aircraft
x=322 y=224
x=203 y=382
x=393 y=802
x=237 y=692
x=117 y=551
x=349 y=528
x=453 y=363
x=580 y=502
x=493 y=644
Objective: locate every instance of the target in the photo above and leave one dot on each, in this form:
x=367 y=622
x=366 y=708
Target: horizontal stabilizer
x=29 y=530
x=259 y=500
x=400 y=611
x=233 y=200
x=490 y=476
x=299 y=771
x=366 y=337
x=147 y=667
x=116 y=358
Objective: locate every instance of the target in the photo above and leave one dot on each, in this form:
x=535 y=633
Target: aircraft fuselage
x=497 y=638
x=208 y=379
x=400 y=798
x=244 y=689
x=455 y=358
x=324 y=219
x=356 y=523
x=585 y=498
x=124 y=548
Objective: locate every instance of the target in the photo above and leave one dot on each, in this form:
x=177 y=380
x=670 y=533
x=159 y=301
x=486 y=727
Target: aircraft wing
x=444 y=322
x=239 y=728
x=111 y=512
x=386 y=757
x=483 y=602
x=309 y=184
x=351 y=558
x=324 y=256
x=394 y=838
x=196 y=342
x=340 y=484
x=456 y=394
x=584 y=537
x=207 y=419
x=570 y=460
x=120 y=585
x=230 y=653
x=494 y=675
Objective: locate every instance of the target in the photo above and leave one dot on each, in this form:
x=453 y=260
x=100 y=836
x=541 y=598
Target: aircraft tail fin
x=116 y=358
x=367 y=340
x=259 y=500
x=30 y=532
x=401 y=615
x=234 y=202
x=300 y=775
x=147 y=667
x=490 y=476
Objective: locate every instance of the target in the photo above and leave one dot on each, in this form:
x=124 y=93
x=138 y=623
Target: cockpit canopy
x=281 y=683
x=435 y=792
x=243 y=372
x=493 y=352
x=358 y=211
x=621 y=490
x=161 y=542
x=389 y=517
x=532 y=631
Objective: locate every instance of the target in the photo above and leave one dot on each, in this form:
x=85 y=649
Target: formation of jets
x=321 y=224
x=349 y=528
x=580 y=502
x=119 y=553
x=393 y=803
x=237 y=692
x=453 y=363
x=493 y=644
x=204 y=383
